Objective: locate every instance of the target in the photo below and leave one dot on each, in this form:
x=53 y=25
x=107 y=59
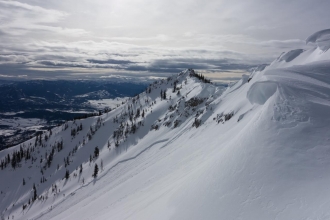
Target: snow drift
x=260 y=92
x=321 y=39
x=259 y=150
x=291 y=55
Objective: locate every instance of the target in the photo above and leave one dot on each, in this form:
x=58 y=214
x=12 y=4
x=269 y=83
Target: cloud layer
x=74 y=39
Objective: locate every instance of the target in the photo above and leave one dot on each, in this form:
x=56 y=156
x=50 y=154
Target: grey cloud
x=110 y=61
x=197 y=63
x=156 y=67
x=19 y=18
x=51 y=63
x=259 y=27
x=13 y=58
x=177 y=65
x=2 y=33
x=283 y=44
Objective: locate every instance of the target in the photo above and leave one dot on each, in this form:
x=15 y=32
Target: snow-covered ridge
x=259 y=150
x=166 y=104
x=321 y=38
x=319 y=52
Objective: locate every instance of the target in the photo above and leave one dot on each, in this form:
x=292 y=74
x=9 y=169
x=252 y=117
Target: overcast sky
x=97 y=38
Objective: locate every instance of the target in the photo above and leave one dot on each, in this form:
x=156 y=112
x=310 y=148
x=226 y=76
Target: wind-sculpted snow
x=260 y=92
x=303 y=88
x=291 y=55
x=238 y=84
x=320 y=52
x=321 y=38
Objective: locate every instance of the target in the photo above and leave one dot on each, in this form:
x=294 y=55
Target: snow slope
x=259 y=150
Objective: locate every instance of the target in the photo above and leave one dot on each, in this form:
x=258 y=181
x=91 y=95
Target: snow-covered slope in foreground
x=262 y=151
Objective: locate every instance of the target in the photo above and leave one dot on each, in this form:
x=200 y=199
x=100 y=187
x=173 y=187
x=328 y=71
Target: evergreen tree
x=133 y=128
x=96 y=171
x=138 y=112
x=96 y=152
x=81 y=168
x=34 y=193
x=23 y=182
x=67 y=174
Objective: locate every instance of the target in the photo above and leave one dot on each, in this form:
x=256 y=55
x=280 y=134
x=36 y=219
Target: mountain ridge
x=127 y=119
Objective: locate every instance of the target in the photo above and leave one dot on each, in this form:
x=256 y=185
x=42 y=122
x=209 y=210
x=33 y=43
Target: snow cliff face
x=258 y=150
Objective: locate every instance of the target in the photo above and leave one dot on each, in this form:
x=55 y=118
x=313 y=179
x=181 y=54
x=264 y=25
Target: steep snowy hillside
x=259 y=150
